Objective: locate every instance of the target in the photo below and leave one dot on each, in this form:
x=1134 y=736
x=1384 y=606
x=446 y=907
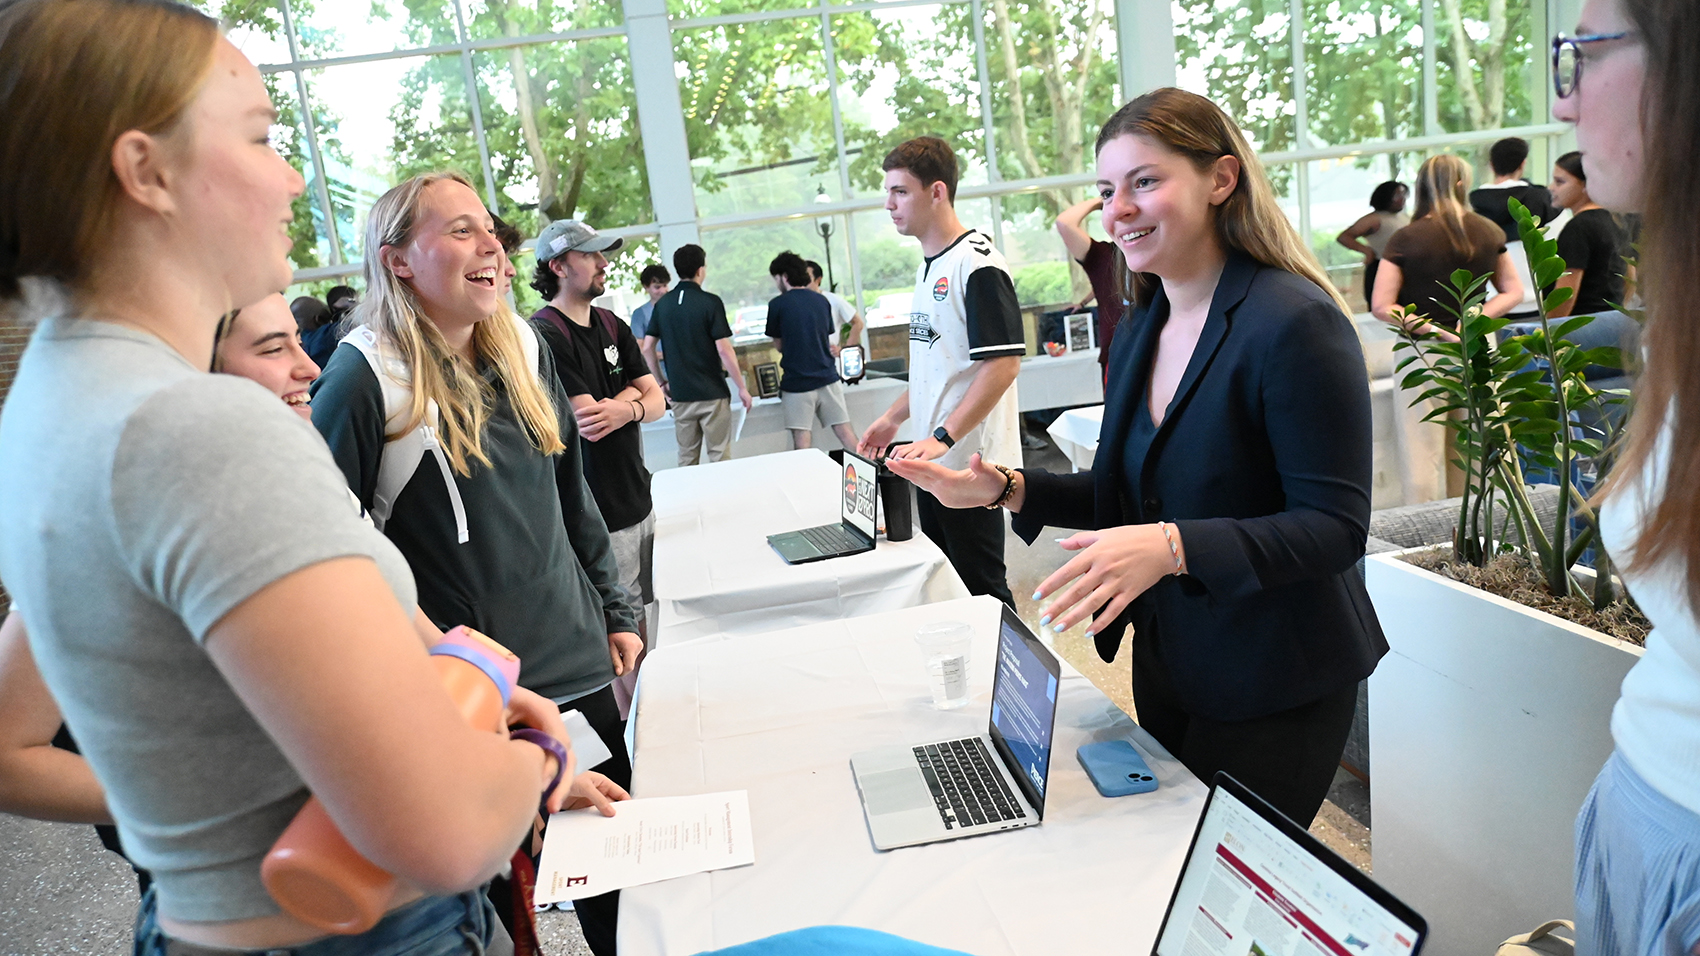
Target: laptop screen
x=1024 y=707
x=1250 y=888
x=858 y=490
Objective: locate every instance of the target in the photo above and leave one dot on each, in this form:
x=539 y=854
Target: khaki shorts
x=825 y=403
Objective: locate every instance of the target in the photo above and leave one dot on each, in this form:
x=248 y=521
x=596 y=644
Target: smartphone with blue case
x=1116 y=769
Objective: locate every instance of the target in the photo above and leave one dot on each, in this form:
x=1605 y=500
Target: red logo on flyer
x=941 y=289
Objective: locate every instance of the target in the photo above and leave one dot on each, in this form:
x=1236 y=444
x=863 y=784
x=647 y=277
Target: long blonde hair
x=438 y=373
x=1249 y=220
x=74 y=76
x=1443 y=189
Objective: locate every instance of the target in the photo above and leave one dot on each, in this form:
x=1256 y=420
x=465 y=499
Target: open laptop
x=1255 y=882
x=853 y=534
x=995 y=781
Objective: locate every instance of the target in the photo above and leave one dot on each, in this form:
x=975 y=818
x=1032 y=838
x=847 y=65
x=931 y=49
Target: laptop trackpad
x=895 y=791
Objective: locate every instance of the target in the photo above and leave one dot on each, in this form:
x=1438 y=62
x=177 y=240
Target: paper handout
x=646 y=841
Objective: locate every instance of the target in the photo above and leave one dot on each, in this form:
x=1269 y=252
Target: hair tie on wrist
x=552 y=746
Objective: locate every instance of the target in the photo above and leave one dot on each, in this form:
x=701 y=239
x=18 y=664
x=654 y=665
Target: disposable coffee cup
x=944 y=650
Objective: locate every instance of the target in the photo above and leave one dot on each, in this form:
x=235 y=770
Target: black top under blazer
x=1263 y=463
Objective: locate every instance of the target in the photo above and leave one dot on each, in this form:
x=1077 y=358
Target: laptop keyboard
x=966 y=788
x=832 y=538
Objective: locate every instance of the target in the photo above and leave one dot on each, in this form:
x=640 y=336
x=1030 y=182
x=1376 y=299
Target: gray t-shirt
x=145 y=499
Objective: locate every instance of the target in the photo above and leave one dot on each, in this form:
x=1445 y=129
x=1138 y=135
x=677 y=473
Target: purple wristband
x=549 y=745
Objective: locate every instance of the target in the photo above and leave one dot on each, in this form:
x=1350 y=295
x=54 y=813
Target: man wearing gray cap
x=612 y=393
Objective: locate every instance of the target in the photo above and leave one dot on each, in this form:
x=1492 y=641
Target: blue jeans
x=463 y=925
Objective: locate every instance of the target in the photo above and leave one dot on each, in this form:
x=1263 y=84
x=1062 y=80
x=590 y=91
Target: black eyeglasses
x=1567 y=59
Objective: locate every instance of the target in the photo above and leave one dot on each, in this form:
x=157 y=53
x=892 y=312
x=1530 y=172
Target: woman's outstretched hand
x=591 y=789
x=974 y=487
x=1114 y=566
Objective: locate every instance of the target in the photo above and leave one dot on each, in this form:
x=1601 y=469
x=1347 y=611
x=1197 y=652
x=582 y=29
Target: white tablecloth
x=780 y=714
x=1076 y=434
x=715 y=572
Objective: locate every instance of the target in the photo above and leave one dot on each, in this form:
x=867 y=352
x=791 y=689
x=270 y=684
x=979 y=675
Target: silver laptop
x=853 y=534
x=995 y=781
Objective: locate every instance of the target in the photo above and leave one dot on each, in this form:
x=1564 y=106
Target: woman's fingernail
x=1089 y=635
x=1045 y=619
x=1058 y=627
x=1037 y=596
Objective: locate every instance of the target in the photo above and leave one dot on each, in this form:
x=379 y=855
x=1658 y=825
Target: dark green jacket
x=537 y=572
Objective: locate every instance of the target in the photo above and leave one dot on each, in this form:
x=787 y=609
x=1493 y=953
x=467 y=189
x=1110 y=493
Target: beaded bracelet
x=1174 y=549
x=1008 y=488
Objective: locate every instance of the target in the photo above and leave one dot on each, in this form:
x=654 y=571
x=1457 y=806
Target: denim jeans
x=463 y=925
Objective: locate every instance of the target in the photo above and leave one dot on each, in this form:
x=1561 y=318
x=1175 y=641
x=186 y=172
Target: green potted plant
x=1490 y=717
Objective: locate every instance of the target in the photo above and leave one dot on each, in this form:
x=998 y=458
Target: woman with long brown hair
x=1445 y=235
x=1630 y=82
x=220 y=630
x=1230 y=500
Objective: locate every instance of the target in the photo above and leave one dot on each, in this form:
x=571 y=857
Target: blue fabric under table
x=834 y=941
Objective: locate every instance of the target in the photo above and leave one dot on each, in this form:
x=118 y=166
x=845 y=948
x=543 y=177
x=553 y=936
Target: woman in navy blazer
x=1230 y=500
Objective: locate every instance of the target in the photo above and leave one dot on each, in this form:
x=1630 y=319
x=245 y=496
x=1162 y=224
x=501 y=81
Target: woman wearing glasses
x=1631 y=79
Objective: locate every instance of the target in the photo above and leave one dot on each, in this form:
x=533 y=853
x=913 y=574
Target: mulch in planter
x=1512 y=577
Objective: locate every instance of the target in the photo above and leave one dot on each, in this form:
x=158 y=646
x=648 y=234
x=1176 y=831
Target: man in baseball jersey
x=965 y=349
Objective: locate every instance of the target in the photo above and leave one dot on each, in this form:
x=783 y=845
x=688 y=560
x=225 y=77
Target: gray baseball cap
x=570 y=235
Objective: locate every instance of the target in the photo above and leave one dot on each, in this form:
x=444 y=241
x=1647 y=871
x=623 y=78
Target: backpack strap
x=401 y=455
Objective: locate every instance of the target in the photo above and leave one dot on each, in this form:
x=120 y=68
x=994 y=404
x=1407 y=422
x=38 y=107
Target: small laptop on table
x=853 y=534
x=995 y=781
x=1256 y=883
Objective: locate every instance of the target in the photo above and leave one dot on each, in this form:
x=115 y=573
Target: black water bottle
x=897 y=499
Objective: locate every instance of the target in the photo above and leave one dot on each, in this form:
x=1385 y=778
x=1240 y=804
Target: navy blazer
x=1263 y=463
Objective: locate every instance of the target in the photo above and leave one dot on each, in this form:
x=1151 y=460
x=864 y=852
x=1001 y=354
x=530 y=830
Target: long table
x=1044 y=382
x=779 y=714
x=715 y=572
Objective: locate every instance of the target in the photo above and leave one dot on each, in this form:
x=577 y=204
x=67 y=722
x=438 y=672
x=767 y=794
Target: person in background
x=1098 y=260
x=965 y=346
x=342 y=299
x=847 y=323
x=691 y=324
x=799 y=321
x=1442 y=238
x=1370 y=234
x=1227 y=524
x=612 y=394
x=1591 y=244
x=655 y=280
x=496 y=521
x=211 y=660
x=1628 y=81
x=321 y=327
x=1507 y=158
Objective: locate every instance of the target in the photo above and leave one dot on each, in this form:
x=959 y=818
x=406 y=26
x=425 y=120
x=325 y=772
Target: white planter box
x=1488 y=723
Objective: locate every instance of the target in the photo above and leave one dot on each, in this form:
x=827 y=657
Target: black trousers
x=972 y=539
x=599 y=916
x=1287 y=758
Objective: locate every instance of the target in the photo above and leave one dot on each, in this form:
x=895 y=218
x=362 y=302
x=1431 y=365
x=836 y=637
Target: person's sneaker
x=565 y=906
x=1032 y=443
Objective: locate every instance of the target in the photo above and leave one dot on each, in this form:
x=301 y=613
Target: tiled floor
x=62 y=893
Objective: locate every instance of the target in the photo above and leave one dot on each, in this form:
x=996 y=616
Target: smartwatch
x=944 y=436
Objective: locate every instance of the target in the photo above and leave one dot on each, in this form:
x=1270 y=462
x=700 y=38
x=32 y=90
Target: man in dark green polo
x=700 y=358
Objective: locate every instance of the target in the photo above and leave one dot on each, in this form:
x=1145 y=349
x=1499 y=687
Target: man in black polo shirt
x=612 y=394
x=1508 y=158
x=692 y=324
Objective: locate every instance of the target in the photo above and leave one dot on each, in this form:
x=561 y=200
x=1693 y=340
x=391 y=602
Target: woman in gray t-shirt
x=221 y=632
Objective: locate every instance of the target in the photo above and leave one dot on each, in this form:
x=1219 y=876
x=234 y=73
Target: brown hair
x=929 y=159
x=1249 y=220
x=1443 y=189
x=74 y=76
x=1668 y=393
x=437 y=372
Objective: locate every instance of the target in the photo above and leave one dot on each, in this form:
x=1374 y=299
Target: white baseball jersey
x=964 y=311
